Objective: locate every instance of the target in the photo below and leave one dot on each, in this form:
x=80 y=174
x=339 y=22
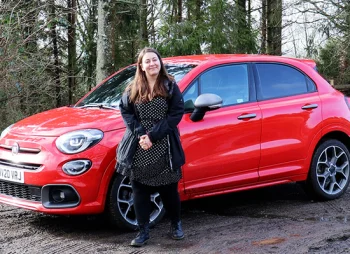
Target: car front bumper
x=45 y=187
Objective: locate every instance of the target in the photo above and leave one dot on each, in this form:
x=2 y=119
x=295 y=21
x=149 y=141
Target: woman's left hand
x=145 y=142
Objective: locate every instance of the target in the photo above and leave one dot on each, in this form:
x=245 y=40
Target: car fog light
x=76 y=167
x=58 y=196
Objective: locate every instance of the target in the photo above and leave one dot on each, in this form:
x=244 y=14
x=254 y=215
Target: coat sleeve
x=173 y=118
x=129 y=116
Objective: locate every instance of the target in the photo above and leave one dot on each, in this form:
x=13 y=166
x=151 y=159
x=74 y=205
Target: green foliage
x=334 y=56
x=218 y=26
x=183 y=38
x=26 y=66
x=229 y=31
x=329 y=59
x=123 y=34
x=334 y=62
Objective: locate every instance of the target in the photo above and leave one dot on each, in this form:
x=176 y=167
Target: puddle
x=343 y=219
x=339 y=238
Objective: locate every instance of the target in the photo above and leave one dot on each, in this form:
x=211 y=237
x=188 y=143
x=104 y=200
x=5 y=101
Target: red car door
x=291 y=111
x=223 y=149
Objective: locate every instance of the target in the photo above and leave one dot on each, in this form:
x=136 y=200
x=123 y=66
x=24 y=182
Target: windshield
x=109 y=93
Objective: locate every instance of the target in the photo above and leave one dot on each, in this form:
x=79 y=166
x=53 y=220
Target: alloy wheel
x=125 y=203
x=332 y=170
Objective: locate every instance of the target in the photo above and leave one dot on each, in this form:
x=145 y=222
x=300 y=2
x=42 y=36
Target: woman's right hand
x=145 y=142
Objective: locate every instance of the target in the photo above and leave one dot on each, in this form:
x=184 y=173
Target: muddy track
x=278 y=219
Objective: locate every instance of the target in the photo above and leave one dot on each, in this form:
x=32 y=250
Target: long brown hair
x=139 y=89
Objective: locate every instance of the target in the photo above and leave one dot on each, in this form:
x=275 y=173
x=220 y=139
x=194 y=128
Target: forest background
x=52 y=52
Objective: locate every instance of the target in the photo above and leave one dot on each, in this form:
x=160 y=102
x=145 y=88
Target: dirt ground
x=278 y=219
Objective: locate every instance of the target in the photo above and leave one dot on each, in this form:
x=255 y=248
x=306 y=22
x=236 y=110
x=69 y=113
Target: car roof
x=201 y=59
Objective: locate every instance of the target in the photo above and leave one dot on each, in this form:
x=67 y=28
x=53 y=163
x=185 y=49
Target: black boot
x=176 y=231
x=142 y=236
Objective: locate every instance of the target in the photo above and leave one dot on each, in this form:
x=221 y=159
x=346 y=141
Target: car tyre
x=329 y=173
x=120 y=205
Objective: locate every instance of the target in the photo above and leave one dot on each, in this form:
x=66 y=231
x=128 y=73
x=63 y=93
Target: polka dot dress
x=152 y=166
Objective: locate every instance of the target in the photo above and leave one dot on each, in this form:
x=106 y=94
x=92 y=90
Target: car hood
x=58 y=121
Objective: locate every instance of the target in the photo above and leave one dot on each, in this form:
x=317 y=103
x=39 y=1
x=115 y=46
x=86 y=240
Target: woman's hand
x=145 y=142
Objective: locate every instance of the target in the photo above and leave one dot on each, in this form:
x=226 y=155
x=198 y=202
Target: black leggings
x=142 y=202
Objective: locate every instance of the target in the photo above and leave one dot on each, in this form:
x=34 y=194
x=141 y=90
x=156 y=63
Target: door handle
x=309 y=106
x=241 y=117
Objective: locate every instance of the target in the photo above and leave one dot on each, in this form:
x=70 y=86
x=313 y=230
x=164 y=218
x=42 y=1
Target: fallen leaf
x=269 y=241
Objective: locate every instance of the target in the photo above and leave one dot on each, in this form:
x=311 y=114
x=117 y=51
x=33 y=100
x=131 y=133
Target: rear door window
x=277 y=80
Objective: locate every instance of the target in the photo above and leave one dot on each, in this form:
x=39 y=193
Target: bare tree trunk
x=189 y=14
x=274 y=27
x=198 y=15
x=249 y=10
x=263 y=26
x=72 y=54
x=173 y=15
x=91 y=47
x=31 y=96
x=198 y=9
x=101 y=42
x=179 y=11
x=143 y=23
x=152 y=32
x=114 y=35
x=242 y=25
x=56 y=68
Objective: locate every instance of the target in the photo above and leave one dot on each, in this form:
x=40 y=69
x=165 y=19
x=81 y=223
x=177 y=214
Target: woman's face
x=150 y=64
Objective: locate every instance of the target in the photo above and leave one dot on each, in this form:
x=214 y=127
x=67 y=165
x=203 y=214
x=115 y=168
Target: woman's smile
x=150 y=64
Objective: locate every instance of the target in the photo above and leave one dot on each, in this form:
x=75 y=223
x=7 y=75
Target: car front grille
x=21 y=149
x=27 y=192
x=12 y=165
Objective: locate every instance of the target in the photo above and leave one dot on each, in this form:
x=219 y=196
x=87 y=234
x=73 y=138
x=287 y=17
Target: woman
x=150 y=153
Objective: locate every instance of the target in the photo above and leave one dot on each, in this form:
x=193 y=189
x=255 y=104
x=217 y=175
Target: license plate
x=12 y=175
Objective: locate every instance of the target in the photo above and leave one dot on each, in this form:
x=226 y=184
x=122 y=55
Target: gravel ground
x=279 y=219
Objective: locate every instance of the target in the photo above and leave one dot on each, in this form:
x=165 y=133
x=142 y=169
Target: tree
x=210 y=26
x=336 y=24
x=37 y=56
x=143 y=23
x=181 y=35
x=274 y=27
x=245 y=42
x=72 y=53
x=330 y=60
x=263 y=26
x=101 y=41
x=87 y=32
x=54 y=38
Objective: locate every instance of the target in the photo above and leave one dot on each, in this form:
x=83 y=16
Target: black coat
x=167 y=126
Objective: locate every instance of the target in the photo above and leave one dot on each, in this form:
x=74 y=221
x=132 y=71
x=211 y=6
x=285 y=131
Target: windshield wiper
x=97 y=105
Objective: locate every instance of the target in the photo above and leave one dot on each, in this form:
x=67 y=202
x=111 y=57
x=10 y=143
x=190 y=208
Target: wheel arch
x=106 y=183
x=109 y=187
x=338 y=135
x=334 y=134
x=318 y=140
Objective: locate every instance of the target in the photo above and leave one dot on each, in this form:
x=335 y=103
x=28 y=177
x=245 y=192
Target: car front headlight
x=78 y=141
x=4 y=132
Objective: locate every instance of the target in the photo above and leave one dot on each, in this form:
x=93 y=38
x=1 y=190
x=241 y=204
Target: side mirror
x=189 y=106
x=205 y=102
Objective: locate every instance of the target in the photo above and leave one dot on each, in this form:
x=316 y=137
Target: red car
x=251 y=121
